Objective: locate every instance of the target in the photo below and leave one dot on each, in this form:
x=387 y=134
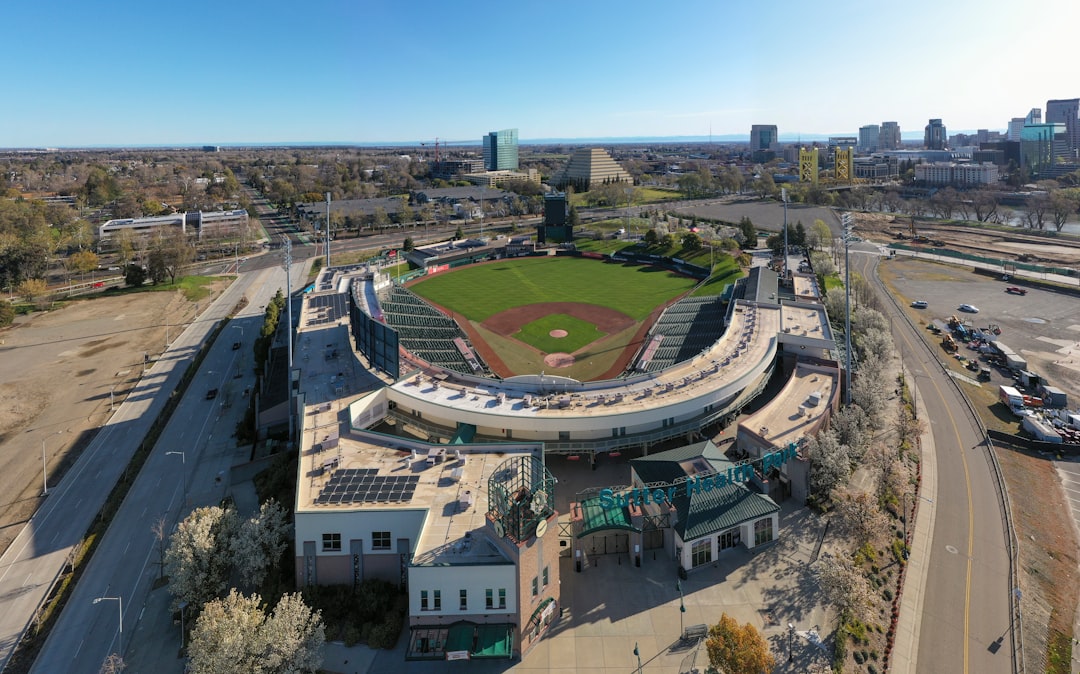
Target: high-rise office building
x=889 y=137
x=501 y=150
x=868 y=138
x=1041 y=146
x=1067 y=112
x=763 y=137
x=935 y=137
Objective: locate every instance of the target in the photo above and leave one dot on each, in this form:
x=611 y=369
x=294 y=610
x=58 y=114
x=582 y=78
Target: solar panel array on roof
x=365 y=485
x=326 y=308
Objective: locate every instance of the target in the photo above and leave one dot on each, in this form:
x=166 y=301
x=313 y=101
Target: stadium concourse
x=419 y=468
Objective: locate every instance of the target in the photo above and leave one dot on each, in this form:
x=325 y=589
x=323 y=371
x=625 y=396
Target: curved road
x=965 y=623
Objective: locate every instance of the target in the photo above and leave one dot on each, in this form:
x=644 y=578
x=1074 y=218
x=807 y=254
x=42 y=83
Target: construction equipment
x=949 y=343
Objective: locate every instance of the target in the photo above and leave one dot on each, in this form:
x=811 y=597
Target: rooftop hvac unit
x=814 y=399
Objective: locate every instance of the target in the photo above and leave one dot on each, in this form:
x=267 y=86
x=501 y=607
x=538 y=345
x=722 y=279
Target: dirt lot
x=1009 y=245
x=59 y=369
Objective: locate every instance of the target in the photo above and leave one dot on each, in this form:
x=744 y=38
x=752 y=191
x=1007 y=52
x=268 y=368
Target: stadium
x=587 y=355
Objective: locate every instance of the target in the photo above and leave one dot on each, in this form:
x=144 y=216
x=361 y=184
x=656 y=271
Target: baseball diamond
x=517 y=331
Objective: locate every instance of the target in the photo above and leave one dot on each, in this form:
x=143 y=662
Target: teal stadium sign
x=703 y=484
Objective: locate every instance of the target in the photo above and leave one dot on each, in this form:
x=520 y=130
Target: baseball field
x=575 y=317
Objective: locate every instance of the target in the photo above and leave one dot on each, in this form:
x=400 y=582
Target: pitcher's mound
x=558 y=360
x=557 y=334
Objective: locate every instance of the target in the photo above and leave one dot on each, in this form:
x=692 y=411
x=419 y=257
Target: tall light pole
x=638 y=654
x=327 y=233
x=120 y=642
x=783 y=196
x=845 y=221
x=183 y=470
x=287 y=264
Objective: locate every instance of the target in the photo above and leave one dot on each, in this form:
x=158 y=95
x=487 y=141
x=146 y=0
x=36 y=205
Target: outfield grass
x=725 y=271
x=481 y=291
x=578 y=333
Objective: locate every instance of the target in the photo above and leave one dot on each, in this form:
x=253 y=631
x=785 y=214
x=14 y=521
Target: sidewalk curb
x=906 y=645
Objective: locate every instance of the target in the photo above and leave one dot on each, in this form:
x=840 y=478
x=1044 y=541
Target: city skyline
x=387 y=73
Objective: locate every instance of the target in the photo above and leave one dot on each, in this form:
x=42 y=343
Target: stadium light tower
x=783 y=196
x=287 y=264
x=845 y=222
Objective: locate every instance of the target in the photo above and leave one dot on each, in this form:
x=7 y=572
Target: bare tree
x=160 y=529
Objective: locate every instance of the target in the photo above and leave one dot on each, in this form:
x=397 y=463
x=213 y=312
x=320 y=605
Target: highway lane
x=125 y=563
x=965 y=625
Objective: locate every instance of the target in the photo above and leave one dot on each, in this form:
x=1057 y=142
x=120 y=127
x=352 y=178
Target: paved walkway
x=906 y=643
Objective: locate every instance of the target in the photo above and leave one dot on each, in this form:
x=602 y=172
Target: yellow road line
x=970 y=507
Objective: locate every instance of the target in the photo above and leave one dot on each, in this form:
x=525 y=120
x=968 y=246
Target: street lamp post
x=183 y=470
x=120 y=641
x=682 y=607
x=638 y=654
x=44 y=471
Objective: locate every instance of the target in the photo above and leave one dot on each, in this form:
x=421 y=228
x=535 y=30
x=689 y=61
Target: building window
x=463 y=597
x=331 y=542
x=535 y=586
x=380 y=540
x=545 y=574
x=564 y=435
x=502 y=597
x=489 y=599
x=423 y=600
x=438 y=600
x=763 y=531
x=700 y=553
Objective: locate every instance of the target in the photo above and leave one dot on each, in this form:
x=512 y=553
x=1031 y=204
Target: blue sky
x=123 y=72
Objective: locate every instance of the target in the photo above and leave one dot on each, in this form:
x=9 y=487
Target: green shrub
x=858 y=657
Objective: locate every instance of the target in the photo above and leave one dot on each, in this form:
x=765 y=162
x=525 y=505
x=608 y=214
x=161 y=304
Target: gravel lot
x=1043 y=326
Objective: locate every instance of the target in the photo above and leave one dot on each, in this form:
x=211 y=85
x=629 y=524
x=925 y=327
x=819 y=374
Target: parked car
x=970 y=308
x=1015 y=290
x=920 y=304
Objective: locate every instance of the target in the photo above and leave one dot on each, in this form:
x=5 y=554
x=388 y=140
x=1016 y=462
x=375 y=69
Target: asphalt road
x=965 y=625
x=184 y=470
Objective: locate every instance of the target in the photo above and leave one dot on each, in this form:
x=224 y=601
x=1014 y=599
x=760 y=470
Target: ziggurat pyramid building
x=589 y=167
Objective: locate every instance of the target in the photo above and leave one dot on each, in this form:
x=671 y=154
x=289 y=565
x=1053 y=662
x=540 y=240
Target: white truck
x=1012 y=399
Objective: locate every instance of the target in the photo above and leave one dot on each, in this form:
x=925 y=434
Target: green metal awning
x=464 y=434
x=494 y=640
x=595 y=518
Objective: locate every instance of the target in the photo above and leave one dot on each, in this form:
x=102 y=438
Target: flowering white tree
x=869 y=390
x=853 y=429
x=197 y=569
x=843 y=585
x=223 y=640
x=831 y=464
x=859 y=515
x=293 y=637
x=259 y=542
x=235 y=636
